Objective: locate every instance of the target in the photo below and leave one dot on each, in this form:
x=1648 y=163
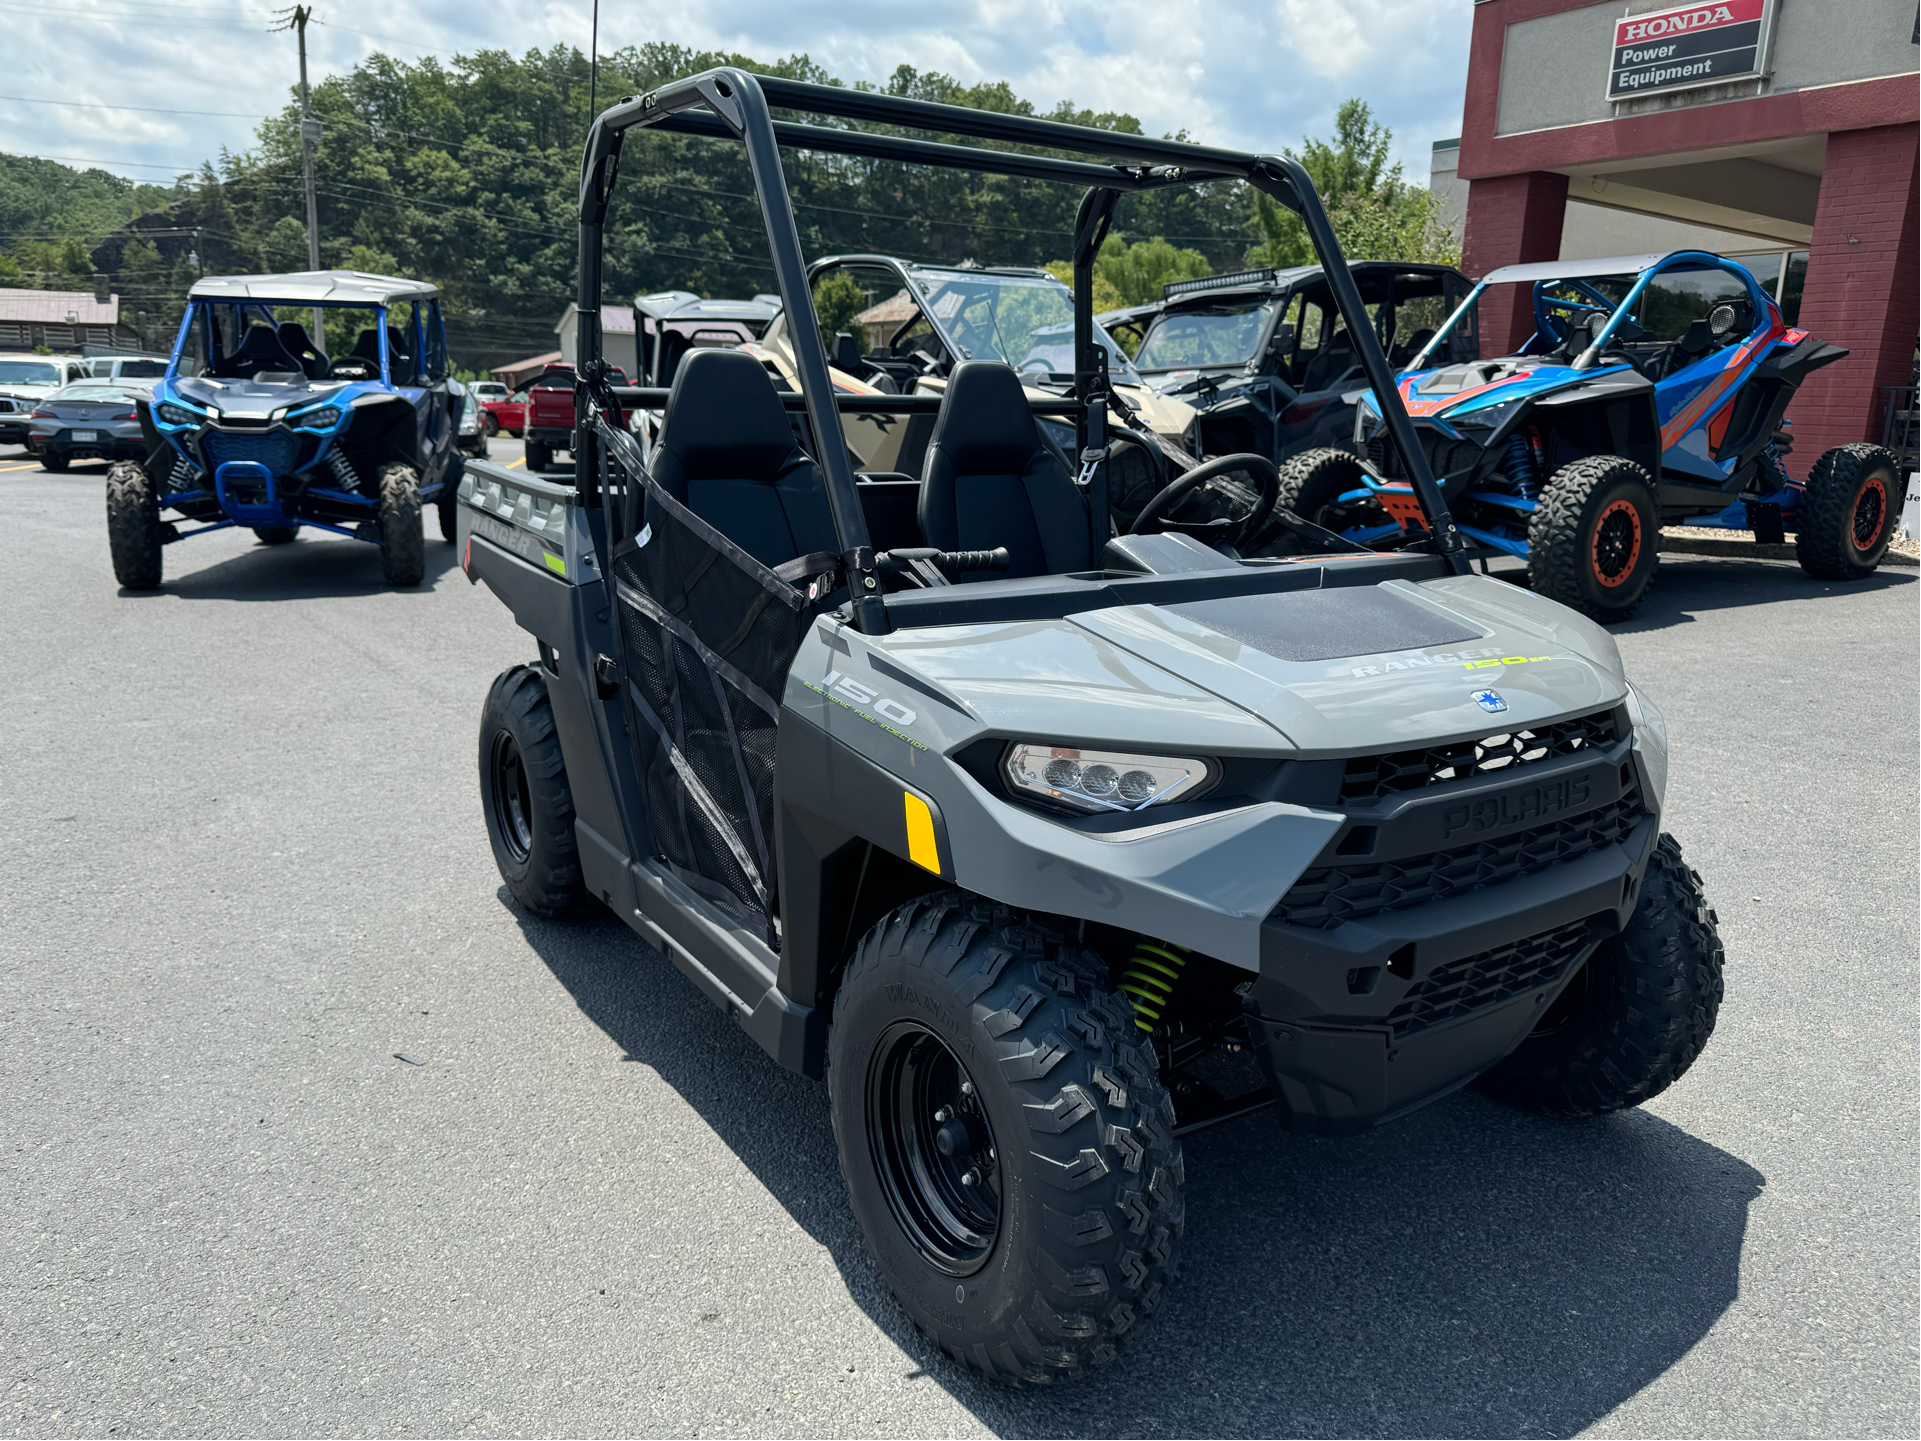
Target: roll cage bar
x=1678 y=260
x=731 y=104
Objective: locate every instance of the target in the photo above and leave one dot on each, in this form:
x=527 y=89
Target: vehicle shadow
x=1467 y=1271
x=306 y=569
x=1687 y=585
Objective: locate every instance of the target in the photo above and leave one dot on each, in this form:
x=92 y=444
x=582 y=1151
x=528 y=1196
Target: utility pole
x=297 y=17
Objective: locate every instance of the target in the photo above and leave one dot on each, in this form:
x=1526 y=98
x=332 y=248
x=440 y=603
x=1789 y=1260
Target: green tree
x=1375 y=213
x=285 y=248
x=837 y=300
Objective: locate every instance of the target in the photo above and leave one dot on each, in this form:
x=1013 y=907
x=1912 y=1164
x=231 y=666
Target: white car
x=25 y=381
x=127 y=367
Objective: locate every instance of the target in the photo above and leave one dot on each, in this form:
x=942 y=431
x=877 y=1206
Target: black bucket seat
x=989 y=479
x=728 y=453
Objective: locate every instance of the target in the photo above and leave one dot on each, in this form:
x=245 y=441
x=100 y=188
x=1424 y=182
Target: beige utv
x=921 y=321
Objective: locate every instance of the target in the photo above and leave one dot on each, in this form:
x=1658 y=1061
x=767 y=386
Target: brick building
x=1781 y=131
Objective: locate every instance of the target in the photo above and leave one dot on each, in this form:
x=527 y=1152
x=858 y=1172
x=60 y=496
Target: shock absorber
x=1521 y=473
x=1150 y=977
x=343 y=469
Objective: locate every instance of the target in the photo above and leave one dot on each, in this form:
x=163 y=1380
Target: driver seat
x=729 y=454
x=259 y=349
x=989 y=479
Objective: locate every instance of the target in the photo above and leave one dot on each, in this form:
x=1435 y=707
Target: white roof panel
x=308 y=287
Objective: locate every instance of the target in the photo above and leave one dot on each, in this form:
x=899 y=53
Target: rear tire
x=276 y=534
x=539 y=457
x=489 y=424
x=403 y=543
x=524 y=792
x=1848 y=513
x=1047 y=1263
x=1310 y=483
x=1594 y=540
x=54 y=460
x=1635 y=1016
x=133 y=526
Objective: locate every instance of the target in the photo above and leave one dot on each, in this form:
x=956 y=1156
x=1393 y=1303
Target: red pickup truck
x=550 y=414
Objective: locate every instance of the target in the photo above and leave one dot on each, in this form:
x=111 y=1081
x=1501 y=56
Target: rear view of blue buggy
x=254 y=425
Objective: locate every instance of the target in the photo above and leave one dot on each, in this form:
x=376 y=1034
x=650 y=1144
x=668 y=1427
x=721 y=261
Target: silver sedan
x=94 y=420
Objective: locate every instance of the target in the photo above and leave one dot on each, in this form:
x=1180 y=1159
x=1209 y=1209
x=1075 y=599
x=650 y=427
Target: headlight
x=1097 y=781
x=326 y=418
x=176 y=415
x=1490 y=419
x=1651 y=740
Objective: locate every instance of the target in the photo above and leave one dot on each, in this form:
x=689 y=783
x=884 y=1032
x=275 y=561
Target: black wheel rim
x=933 y=1149
x=513 y=802
x=1870 y=509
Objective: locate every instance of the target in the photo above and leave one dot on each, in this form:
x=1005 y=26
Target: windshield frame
x=1118 y=365
x=1272 y=303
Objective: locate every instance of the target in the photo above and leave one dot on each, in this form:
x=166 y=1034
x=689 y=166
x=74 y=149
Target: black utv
x=1266 y=358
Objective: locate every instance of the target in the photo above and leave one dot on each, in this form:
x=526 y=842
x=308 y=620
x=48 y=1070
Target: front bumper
x=1361 y=1024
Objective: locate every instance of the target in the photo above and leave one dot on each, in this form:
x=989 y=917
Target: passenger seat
x=990 y=480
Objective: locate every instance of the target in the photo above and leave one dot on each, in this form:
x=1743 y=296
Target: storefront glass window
x=1791 y=288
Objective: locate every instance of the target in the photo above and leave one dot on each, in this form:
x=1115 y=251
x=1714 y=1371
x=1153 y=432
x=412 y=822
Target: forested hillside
x=465 y=174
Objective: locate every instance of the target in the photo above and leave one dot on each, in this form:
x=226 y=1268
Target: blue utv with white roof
x=1653 y=392
x=255 y=425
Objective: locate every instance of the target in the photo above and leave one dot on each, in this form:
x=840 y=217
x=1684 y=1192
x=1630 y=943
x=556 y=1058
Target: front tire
x=524 y=792
x=1594 y=539
x=403 y=543
x=968 y=1040
x=134 y=534
x=1312 y=484
x=276 y=534
x=1848 y=513
x=1634 y=1018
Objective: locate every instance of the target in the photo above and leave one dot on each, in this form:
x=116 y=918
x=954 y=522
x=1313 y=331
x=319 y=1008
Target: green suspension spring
x=1152 y=973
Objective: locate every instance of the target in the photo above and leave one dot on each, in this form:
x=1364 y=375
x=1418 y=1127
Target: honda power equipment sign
x=1688 y=45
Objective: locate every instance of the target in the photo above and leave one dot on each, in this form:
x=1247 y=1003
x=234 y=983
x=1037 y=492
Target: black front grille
x=274 y=450
x=1460 y=988
x=1370 y=777
x=1444 y=455
x=1328 y=895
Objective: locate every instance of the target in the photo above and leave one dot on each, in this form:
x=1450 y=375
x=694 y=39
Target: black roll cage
x=731 y=104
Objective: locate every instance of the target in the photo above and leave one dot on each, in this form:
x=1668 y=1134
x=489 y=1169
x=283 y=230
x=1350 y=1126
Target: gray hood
x=1310 y=673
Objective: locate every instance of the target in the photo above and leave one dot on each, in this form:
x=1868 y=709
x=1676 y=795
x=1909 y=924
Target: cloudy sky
x=1248 y=73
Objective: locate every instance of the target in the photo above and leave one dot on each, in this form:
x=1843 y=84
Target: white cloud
x=1254 y=74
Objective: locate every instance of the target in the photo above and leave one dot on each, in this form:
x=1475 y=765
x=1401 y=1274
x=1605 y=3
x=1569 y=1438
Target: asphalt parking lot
x=309 y=1131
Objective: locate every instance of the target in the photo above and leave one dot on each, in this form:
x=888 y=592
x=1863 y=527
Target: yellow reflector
x=921 y=849
x=554 y=562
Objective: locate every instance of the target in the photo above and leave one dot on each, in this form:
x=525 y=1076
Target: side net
x=708 y=634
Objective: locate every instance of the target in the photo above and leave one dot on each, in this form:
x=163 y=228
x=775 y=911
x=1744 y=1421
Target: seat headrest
x=724 y=420
x=985 y=425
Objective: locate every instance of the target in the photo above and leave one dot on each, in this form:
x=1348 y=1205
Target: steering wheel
x=1154 y=516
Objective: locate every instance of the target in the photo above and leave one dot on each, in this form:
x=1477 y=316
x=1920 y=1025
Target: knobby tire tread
x=550 y=882
x=403 y=549
x=1558 y=537
x=1655 y=992
x=1824 y=541
x=133 y=526
x=1097 y=1117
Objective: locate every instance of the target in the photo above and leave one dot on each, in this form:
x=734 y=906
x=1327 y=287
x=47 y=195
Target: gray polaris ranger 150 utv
x=1043 y=844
